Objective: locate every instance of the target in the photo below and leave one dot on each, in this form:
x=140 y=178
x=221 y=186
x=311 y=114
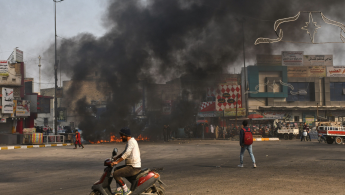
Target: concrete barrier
x=266 y=139
x=32 y=146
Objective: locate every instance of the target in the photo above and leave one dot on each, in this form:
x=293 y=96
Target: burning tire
x=338 y=140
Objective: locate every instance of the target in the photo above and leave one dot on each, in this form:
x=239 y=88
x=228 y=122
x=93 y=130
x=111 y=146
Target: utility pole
x=317 y=112
x=236 y=109
x=55 y=75
x=39 y=73
x=245 y=70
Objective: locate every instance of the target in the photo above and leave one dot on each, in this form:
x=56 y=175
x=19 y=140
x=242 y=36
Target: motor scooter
x=146 y=182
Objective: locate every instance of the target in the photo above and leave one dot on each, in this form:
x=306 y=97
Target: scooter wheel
x=95 y=193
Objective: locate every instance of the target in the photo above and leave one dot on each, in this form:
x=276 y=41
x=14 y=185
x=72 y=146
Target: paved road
x=190 y=167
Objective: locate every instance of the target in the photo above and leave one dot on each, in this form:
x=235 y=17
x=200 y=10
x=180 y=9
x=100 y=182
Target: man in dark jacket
x=245 y=147
x=305 y=126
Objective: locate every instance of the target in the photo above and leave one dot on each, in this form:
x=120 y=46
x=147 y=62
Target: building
x=295 y=88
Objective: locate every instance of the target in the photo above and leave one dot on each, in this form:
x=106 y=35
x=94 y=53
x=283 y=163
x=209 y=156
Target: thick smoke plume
x=161 y=40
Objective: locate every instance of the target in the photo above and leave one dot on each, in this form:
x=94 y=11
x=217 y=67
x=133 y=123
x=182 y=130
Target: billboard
x=292 y=58
x=318 y=60
x=269 y=60
x=316 y=71
x=18 y=55
x=7 y=100
x=336 y=71
x=297 y=71
x=228 y=96
x=61 y=114
x=23 y=108
x=4 y=68
x=306 y=71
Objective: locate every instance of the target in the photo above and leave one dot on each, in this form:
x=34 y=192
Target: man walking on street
x=246 y=131
x=78 y=140
x=304 y=128
x=217 y=132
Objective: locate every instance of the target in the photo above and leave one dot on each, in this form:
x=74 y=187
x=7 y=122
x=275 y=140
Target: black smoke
x=162 y=40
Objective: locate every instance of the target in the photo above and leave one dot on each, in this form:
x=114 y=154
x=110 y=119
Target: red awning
x=255 y=116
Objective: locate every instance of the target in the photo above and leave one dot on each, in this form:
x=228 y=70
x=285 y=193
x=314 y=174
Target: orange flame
x=113 y=138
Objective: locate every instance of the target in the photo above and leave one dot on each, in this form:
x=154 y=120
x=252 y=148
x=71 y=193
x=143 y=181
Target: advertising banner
x=297 y=71
x=166 y=108
x=335 y=71
x=276 y=115
x=318 y=60
x=4 y=68
x=228 y=96
x=62 y=114
x=292 y=58
x=232 y=112
x=22 y=108
x=316 y=71
x=269 y=60
x=7 y=100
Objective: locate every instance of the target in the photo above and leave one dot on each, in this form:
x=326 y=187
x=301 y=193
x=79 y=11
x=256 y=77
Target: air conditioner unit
x=302 y=92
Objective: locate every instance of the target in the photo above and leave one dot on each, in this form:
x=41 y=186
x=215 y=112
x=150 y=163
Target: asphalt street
x=190 y=167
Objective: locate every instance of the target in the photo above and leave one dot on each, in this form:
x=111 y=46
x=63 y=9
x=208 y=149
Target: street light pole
x=55 y=75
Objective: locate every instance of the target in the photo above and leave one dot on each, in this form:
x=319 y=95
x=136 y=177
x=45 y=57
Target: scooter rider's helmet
x=125 y=131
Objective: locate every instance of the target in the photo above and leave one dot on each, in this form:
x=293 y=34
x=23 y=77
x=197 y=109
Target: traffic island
x=32 y=146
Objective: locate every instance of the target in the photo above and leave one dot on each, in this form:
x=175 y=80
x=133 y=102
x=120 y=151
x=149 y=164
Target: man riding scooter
x=133 y=162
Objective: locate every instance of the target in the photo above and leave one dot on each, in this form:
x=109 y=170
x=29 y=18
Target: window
x=4 y=78
x=303 y=91
x=296 y=118
x=337 y=91
x=14 y=80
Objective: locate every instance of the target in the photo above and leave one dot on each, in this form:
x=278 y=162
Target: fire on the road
x=113 y=138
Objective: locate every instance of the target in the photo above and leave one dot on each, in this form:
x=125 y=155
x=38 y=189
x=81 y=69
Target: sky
x=29 y=25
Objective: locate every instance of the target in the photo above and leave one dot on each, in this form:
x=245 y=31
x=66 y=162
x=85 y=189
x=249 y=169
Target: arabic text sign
x=4 y=68
x=292 y=58
x=335 y=71
x=318 y=60
x=23 y=108
x=316 y=71
x=297 y=71
x=7 y=100
x=269 y=60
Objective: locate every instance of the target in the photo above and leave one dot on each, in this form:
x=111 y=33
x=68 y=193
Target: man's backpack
x=248 y=137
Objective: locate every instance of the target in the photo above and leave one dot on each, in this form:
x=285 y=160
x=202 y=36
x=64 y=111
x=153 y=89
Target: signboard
x=18 y=55
x=232 y=112
x=318 y=60
x=269 y=60
x=316 y=71
x=292 y=58
x=4 y=68
x=62 y=114
x=297 y=71
x=3 y=120
x=7 y=100
x=29 y=130
x=166 y=108
x=226 y=92
x=276 y=115
x=23 y=108
x=335 y=71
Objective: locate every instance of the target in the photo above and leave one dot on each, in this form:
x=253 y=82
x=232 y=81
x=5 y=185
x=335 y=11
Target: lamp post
x=55 y=75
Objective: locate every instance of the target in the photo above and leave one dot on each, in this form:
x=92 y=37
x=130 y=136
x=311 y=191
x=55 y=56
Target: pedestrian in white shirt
x=133 y=162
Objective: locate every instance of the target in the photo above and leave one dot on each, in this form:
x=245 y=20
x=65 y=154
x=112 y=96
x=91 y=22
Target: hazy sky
x=29 y=25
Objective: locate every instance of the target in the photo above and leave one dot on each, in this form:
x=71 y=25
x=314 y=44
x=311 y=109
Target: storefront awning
x=301 y=108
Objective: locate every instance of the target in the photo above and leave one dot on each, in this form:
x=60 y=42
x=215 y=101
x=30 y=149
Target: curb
x=265 y=139
x=32 y=146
